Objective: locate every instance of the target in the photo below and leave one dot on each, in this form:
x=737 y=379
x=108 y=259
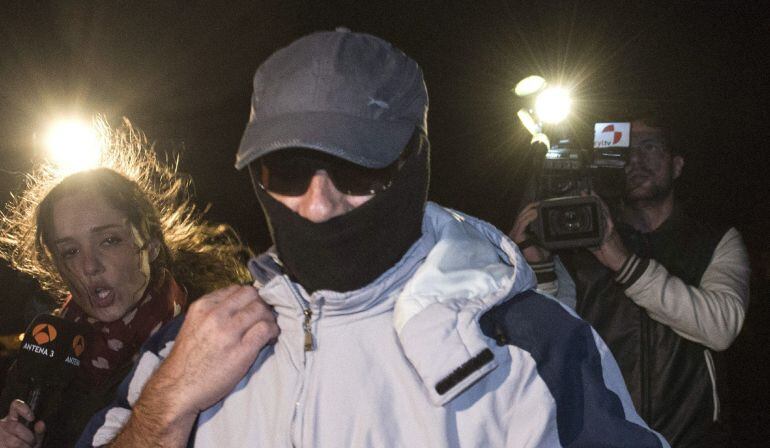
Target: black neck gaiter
x=349 y=251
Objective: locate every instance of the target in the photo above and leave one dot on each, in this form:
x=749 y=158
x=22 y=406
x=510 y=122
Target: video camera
x=567 y=217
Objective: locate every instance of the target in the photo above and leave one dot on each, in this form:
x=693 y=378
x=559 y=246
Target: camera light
x=529 y=85
x=528 y=122
x=73 y=145
x=553 y=104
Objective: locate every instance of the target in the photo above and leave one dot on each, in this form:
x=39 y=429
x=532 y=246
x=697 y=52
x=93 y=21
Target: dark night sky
x=181 y=71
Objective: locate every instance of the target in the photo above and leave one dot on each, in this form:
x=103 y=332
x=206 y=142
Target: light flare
x=553 y=105
x=73 y=145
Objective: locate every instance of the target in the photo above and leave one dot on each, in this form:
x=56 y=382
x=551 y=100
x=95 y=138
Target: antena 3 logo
x=44 y=333
x=78 y=346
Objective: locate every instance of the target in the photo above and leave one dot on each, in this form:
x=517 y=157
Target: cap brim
x=365 y=142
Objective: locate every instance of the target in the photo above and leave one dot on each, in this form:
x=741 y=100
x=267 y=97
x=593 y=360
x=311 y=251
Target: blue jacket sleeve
x=107 y=423
x=593 y=407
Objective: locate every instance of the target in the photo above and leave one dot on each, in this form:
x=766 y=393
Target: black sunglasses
x=289 y=172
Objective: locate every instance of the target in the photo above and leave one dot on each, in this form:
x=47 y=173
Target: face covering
x=350 y=251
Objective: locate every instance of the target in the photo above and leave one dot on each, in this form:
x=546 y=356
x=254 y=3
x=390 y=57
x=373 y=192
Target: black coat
x=668 y=376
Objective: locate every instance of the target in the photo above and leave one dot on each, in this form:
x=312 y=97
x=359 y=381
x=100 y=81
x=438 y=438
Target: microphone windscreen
x=51 y=349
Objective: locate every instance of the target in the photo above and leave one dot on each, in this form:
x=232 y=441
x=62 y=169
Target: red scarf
x=113 y=344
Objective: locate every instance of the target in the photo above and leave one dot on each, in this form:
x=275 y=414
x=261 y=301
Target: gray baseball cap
x=350 y=95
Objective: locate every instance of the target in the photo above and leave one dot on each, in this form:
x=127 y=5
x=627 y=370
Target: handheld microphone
x=49 y=356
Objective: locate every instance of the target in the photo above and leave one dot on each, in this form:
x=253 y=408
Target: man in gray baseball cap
x=402 y=323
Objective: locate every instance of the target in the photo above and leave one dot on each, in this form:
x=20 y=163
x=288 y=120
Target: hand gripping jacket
x=450 y=347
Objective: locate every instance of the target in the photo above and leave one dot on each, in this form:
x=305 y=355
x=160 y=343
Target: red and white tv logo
x=612 y=134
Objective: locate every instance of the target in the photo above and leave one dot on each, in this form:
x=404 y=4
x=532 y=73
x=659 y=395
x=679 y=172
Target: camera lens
x=570 y=220
x=562 y=186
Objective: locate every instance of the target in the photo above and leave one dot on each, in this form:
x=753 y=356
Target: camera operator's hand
x=612 y=253
x=519 y=235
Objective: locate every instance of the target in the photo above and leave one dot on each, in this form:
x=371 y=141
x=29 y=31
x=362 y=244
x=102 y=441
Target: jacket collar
x=459 y=268
x=453 y=249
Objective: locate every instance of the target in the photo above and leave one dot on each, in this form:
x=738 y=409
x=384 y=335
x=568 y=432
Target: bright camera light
x=73 y=145
x=528 y=122
x=553 y=104
x=529 y=85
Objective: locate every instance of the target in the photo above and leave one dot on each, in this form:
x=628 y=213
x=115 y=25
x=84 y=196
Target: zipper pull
x=306 y=326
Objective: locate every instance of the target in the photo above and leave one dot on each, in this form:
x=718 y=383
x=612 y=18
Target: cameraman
x=665 y=291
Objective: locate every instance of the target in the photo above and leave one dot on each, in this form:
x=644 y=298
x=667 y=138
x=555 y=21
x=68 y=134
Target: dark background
x=181 y=71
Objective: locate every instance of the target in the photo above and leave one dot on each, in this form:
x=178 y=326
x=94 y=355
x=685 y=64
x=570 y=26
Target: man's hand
x=14 y=433
x=612 y=253
x=222 y=335
x=532 y=253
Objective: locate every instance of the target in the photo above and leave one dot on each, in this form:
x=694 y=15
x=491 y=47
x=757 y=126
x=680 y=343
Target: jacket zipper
x=306 y=323
x=713 y=377
x=308 y=346
x=645 y=246
x=645 y=410
x=308 y=330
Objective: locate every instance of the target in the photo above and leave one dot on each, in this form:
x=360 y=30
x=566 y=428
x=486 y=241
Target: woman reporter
x=127 y=251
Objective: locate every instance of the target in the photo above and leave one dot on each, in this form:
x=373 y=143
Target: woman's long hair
x=157 y=200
